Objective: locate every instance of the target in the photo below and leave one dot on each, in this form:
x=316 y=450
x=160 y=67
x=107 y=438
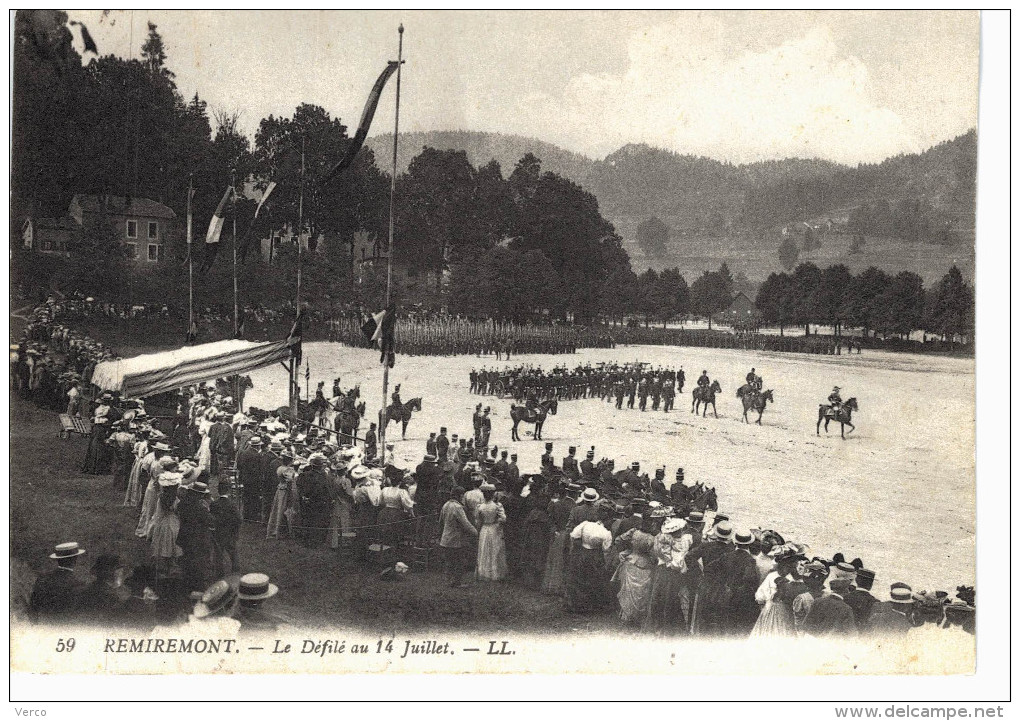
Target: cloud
x=701 y=86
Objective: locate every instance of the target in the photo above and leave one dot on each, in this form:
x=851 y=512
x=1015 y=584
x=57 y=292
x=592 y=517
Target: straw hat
x=219 y=597
x=256 y=587
x=71 y=549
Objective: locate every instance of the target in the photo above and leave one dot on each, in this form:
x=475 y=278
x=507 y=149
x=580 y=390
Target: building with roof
x=142 y=226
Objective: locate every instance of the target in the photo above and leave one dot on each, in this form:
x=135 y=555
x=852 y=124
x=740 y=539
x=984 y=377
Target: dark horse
x=693 y=498
x=537 y=416
x=402 y=413
x=754 y=400
x=706 y=396
x=842 y=416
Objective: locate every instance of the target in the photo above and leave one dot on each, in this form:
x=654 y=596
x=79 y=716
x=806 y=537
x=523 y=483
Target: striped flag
x=216 y=224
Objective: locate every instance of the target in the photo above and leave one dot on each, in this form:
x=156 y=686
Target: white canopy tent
x=146 y=375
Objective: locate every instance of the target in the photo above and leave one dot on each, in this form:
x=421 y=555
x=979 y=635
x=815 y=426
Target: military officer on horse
x=835 y=401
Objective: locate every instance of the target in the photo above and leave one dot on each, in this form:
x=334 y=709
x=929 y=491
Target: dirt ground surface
x=899 y=492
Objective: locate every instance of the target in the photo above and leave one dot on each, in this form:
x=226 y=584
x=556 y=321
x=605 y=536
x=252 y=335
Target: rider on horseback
x=704 y=381
x=754 y=381
x=396 y=396
x=835 y=401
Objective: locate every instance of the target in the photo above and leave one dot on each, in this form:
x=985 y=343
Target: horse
x=757 y=402
x=402 y=413
x=842 y=416
x=537 y=416
x=705 y=395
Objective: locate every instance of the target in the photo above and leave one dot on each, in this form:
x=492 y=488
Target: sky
x=849 y=87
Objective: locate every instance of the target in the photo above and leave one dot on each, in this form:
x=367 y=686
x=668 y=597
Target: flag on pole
x=366 y=121
x=191 y=194
x=385 y=334
x=212 y=235
x=265 y=196
x=216 y=224
x=294 y=339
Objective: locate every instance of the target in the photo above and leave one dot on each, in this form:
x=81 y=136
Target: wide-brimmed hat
x=256 y=442
x=221 y=596
x=695 y=517
x=359 y=472
x=71 y=549
x=590 y=495
x=256 y=587
x=317 y=459
x=901 y=593
x=486 y=487
x=672 y=525
x=160 y=446
x=200 y=488
x=722 y=531
x=743 y=538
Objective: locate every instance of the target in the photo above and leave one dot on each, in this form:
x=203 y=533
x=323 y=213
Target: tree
x=864 y=308
x=836 y=286
x=805 y=285
x=901 y=305
x=775 y=300
x=788 y=252
x=709 y=295
x=153 y=55
x=673 y=295
x=652 y=237
x=97 y=261
x=952 y=307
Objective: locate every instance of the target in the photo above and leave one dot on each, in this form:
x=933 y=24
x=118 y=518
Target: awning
x=146 y=375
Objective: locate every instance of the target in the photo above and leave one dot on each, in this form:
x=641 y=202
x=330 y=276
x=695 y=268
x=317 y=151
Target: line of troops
x=481 y=338
x=633 y=381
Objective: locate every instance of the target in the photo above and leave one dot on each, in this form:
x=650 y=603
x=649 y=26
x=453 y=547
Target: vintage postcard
x=493 y=342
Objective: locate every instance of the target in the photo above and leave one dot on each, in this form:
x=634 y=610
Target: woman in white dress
x=204 y=450
x=152 y=466
x=776 y=617
x=489 y=519
x=133 y=495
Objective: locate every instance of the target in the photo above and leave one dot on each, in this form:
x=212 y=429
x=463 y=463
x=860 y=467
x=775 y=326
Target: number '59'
x=64 y=645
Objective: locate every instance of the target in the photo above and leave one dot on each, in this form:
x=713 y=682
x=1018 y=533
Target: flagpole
x=389 y=257
x=233 y=240
x=300 y=215
x=191 y=272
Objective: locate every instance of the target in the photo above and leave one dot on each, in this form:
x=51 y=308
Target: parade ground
x=898 y=492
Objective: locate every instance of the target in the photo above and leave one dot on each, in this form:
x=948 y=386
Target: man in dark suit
x=195 y=536
x=221 y=443
x=426 y=497
x=250 y=476
x=893 y=617
x=443 y=446
x=227 y=526
x=830 y=615
x=859 y=599
x=589 y=472
x=570 y=468
x=55 y=594
x=513 y=475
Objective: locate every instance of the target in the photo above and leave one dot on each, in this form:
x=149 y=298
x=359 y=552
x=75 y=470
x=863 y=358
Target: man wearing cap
x=56 y=593
x=316 y=499
x=443 y=446
x=431 y=448
x=476 y=421
x=485 y=428
x=589 y=471
x=548 y=464
x=499 y=468
x=859 y=598
x=513 y=475
x=251 y=473
x=371 y=443
x=570 y=468
x=221 y=444
x=426 y=496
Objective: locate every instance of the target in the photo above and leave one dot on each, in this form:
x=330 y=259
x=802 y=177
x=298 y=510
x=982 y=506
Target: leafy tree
x=775 y=300
x=901 y=305
x=652 y=237
x=153 y=54
x=788 y=252
x=647 y=297
x=952 y=307
x=97 y=263
x=805 y=286
x=836 y=287
x=673 y=295
x=864 y=304
x=709 y=295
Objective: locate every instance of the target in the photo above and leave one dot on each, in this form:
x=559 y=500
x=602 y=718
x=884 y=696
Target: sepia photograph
x=495 y=342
